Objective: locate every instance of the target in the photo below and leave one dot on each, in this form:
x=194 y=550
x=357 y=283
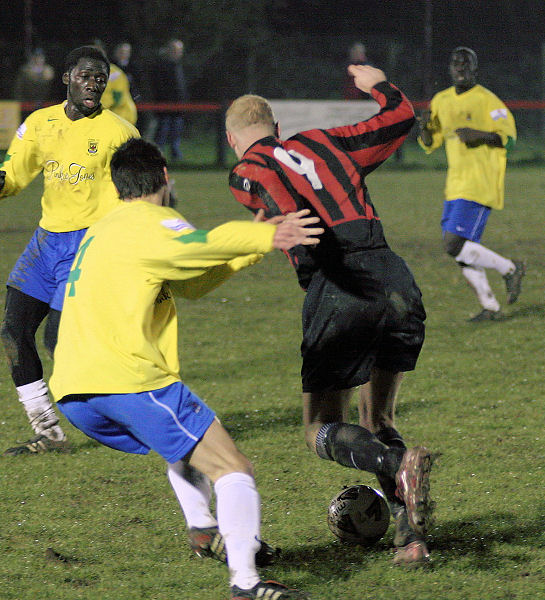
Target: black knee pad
x=452 y=244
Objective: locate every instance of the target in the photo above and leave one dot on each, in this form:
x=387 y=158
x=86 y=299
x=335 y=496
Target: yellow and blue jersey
x=74 y=157
x=117 y=95
x=118 y=331
x=476 y=174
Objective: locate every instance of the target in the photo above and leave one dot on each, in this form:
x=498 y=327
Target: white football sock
x=476 y=277
x=476 y=255
x=193 y=492
x=238 y=509
x=39 y=410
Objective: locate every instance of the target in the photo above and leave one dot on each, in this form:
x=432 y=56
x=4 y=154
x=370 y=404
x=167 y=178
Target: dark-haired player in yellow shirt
x=117 y=96
x=71 y=144
x=478 y=130
x=116 y=369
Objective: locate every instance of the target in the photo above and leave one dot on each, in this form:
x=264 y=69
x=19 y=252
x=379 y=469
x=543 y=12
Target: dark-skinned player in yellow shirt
x=71 y=144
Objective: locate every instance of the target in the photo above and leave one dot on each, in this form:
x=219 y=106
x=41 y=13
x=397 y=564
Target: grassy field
x=113 y=525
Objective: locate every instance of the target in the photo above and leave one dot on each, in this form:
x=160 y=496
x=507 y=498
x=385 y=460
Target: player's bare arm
x=366 y=76
x=294 y=229
x=475 y=137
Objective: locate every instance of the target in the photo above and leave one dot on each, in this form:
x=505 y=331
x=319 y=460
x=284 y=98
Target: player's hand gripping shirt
x=75 y=159
x=478 y=173
x=118 y=330
x=324 y=170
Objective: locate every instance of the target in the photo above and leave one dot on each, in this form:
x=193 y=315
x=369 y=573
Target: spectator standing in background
x=117 y=95
x=122 y=57
x=357 y=55
x=34 y=82
x=169 y=85
x=139 y=81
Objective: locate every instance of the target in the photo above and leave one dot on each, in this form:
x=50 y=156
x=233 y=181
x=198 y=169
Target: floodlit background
x=293 y=48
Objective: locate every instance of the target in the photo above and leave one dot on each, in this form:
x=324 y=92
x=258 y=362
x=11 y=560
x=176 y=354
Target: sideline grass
x=113 y=524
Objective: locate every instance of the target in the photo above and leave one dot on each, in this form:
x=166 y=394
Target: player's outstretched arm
x=293 y=229
x=366 y=76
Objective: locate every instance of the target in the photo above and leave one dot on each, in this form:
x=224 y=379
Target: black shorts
x=367 y=313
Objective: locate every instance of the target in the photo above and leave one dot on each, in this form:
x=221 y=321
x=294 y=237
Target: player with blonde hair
x=363 y=318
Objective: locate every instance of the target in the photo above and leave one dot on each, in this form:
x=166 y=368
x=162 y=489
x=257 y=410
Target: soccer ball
x=358 y=514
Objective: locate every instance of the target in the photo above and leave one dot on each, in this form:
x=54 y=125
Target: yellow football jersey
x=118 y=330
x=74 y=157
x=117 y=95
x=476 y=174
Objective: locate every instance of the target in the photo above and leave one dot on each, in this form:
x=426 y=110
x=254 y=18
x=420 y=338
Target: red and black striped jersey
x=324 y=170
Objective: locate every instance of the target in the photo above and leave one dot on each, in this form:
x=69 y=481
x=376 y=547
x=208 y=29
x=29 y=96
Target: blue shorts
x=42 y=269
x=464 y=218
x=170 y=420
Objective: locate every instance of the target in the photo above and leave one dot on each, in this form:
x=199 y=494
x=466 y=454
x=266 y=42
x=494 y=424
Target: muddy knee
x=452 y=243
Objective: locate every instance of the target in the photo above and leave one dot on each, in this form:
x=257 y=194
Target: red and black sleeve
x=372 y=141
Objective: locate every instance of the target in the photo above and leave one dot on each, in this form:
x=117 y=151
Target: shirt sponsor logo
x=499 y=113
x=73 y=174
x=246 y=185
x=92 y=147
x=176 y=224
x=21 y=131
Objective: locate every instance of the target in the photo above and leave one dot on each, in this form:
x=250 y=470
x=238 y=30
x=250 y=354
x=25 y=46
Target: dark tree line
x=294 y=48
